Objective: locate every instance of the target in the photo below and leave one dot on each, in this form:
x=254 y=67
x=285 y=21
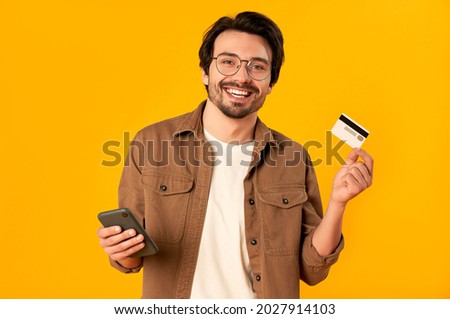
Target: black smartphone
x=124 y=218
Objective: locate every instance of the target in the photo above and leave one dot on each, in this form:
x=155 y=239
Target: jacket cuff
x=313 y=258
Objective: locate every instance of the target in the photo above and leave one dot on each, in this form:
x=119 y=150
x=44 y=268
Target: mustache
x=238 y=86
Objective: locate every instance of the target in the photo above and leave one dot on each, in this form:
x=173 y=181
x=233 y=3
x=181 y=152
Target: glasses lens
x=228 y=64
x=258 y=69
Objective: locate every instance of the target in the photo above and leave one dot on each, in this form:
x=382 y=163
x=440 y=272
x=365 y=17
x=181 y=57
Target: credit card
x=349 y=131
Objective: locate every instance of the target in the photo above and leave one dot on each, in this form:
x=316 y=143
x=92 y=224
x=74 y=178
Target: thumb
x=352 y=157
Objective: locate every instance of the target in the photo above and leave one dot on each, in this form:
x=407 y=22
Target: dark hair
x=249 y=22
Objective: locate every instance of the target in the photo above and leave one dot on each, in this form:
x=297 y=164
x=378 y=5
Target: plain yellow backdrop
x=76 y=74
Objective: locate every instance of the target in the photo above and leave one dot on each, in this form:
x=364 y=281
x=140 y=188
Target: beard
x=235 y=110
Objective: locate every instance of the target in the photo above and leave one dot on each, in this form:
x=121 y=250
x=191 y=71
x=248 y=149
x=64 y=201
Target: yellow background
x=75 y=74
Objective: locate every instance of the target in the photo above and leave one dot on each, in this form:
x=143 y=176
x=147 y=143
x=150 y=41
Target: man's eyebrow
x=234 y=54
x=227 y=53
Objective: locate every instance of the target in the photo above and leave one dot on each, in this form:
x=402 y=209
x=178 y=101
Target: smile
x=238 y=93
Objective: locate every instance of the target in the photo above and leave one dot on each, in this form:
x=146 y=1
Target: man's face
x=238 y=95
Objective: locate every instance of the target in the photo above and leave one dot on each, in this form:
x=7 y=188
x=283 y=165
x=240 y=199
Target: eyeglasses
x=229 y=64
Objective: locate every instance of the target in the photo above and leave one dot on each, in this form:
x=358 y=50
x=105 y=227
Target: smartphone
x=124 y=218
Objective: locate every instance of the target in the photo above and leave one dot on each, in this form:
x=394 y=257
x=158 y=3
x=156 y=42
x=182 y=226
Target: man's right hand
x=119 y=245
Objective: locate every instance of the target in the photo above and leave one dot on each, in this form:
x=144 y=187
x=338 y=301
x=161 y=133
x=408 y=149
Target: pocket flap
x=283 y=197
x=168 y=184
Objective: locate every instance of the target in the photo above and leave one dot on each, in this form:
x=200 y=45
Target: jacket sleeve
x=313 y=267
x=131 y=192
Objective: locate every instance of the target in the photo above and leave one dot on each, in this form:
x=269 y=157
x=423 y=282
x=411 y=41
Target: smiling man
x=233 y=205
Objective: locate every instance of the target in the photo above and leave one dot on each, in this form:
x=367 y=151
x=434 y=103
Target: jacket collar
x=193 y=124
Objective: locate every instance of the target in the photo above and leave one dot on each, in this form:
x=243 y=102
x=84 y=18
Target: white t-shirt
x=223 y=267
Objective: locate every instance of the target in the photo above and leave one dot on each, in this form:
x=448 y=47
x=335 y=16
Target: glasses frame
x=249 y=62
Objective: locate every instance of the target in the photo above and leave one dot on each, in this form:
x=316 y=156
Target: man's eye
x=258 y=67
x=228 y=62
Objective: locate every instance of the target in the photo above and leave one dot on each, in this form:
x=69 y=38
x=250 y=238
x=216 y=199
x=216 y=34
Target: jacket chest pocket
x=166 y=203
x=281 y=213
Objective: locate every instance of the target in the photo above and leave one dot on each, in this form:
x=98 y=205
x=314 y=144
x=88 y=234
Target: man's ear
x=270 y=88
x=205 y=77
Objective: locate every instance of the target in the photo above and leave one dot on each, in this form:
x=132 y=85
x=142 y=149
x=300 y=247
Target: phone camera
x=124 y=215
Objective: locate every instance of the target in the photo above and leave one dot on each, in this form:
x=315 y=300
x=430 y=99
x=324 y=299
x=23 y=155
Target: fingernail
x=117 y=229
x=131 y=232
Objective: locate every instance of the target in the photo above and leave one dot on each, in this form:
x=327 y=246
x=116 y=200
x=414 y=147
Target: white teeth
x=238 y=93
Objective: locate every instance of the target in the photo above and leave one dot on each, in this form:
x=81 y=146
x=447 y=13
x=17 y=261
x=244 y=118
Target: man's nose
x=242 y=75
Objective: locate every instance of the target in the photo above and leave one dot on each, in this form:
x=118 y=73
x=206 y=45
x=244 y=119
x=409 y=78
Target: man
x=233 y=205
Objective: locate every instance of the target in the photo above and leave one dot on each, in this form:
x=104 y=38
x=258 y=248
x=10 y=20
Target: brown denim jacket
x=166 y=180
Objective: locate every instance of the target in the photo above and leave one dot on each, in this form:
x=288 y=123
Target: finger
x=358 y=175
x=116 y=239
x=368 y=160
x=105 y=232
x=352 y=157
x=352 y=185
x=127 y=253
x=363 y=171
x=126 y=246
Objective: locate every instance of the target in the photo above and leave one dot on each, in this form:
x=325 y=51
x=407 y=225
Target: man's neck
x=226 y=129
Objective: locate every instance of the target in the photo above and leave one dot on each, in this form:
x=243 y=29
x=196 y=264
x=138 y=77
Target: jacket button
x=285 y=201
x=258 y=278
x=163 y=188
x=251 y=201
x=253 y=242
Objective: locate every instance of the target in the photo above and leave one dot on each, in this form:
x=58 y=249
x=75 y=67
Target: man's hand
x=119 y=245
x=353 y=178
